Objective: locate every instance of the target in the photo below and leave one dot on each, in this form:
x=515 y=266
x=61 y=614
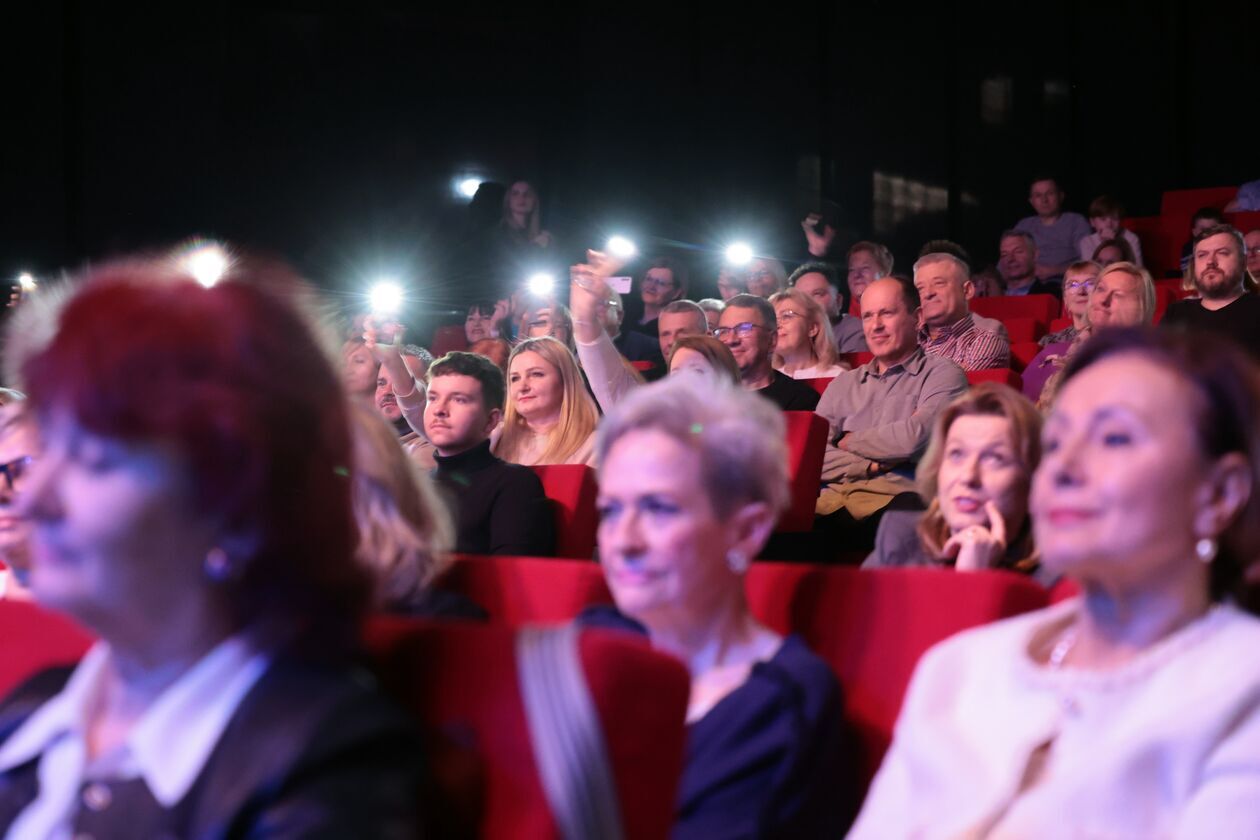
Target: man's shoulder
x=1028 y=224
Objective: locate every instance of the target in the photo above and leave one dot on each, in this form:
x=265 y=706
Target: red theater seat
x=872 y=626
x=820 y=384
x=643 y=367
x=806 y=441
x=523 y=590
x=1002 y=375
x=572 y=490
x=1043 y=308
x=462 y=683
x=1022 y=354
x=1246 y=221
x=1185 y=203
x=1161 y=241
x=32 y=639
x=448 y=338
x=856 y=359
x=1024 y=329
x=1059 y=324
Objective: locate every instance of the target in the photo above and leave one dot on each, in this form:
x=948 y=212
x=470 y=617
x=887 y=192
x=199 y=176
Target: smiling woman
x=550 y=417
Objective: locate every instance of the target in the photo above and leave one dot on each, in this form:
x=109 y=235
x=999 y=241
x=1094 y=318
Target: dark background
x=330 y=133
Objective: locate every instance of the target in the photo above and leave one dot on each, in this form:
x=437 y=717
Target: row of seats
x=1163 y=236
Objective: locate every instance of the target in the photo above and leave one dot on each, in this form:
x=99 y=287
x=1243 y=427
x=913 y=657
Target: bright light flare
x=207 y=263
x=739 y=253
x=541 y=284
x=385 y=297
x=468 y=187
x=620 y=246
x=26 y=281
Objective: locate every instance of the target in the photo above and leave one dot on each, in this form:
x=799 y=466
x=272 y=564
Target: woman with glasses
x=18 y=447
x=765 y=277
x=1078 y=282
x=806 y=346
x=663 y=282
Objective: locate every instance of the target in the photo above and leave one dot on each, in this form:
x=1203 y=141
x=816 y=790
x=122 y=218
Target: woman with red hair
x=192 y=508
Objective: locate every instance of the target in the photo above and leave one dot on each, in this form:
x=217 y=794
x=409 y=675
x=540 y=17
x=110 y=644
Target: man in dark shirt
x=1017 y=265
x=500 y=508
x=1218 y=263
x=749 y=328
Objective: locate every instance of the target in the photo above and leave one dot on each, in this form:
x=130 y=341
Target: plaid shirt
x=968 y=346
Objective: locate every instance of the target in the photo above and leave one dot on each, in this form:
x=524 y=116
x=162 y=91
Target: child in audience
x=1105 y=214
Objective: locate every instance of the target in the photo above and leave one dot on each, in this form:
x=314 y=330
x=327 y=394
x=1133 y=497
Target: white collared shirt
x=167 y=747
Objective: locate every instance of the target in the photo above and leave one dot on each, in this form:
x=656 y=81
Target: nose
x=1065 y=463
x=622 y=535
x=38 y=501
x=971 y=471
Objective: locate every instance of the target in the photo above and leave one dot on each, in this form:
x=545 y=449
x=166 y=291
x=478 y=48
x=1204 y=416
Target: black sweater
x=499 y=507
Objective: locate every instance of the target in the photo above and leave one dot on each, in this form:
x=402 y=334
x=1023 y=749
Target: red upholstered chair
x=1185 y=202
x=462 y=683
x=1022 y=354
x=32 y=639
x=1245 y=221
x=1024 y=329
x=448 y=338
x=1059 y=324
x=806 y=441
x=872 y=626
x=524 y=590
x=1043 y=308
x=820 y=384
x=1004 y=375
x=1161 y=240
x=643 y=367
x=572 y=490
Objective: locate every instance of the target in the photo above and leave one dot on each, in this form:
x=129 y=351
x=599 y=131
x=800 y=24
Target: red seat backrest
x=820 y=383
x=643 y=366
x=1022 y=354
x=521 y=590
x=1245 y=221
x=1186 y=202
x=872 y=626
x=856 y=359
x=572 y=490
x=1043 y=308
x=1161 y=240
x=448 y=338
x=34 y=639
x=806 y=442
x=1024 y=329
x=462 y=683
x=1005 y=376
x=1059 y=324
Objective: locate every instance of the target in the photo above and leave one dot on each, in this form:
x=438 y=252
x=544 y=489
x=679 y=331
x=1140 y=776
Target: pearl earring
x=737 y=560
x=1205 y=550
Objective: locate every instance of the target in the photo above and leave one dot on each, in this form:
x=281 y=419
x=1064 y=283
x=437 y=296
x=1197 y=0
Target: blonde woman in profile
x=550 y=418
x=806 y=348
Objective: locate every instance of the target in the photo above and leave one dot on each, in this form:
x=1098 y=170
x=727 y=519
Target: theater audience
x=1130 y=710
x=633 y=346
x=1203 y=218
x=880 y=414
x=1056 y=234
x=818 y=280
x=1247 y=200
x=805 y=347
x=1017 y=266
x=1113 y=251
x=682 y=317
x=1078 y=283
x=549 y=418
x=499 y=507
x=663 y=282
x=387 y=405
x=1224 y=306
x=550 y=318
x=682 y=514
x=19 y=447
x=521 y=242
x=1105 y=214
x=975 y=477
x=765 y=276
x=867 y=262
x=730 y=283
x=191 y=509
x=749 y=330
x=703 y=355
x=712 y=308
x=949 y=328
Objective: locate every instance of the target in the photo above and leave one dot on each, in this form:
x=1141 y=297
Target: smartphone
x=620 y=285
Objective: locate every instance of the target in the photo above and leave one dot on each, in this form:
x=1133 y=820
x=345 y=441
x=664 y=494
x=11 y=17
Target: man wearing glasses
x=748 y=327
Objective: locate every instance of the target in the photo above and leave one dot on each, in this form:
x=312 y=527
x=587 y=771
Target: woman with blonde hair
x=806 y=347
x=975 y=477
x=550 y=417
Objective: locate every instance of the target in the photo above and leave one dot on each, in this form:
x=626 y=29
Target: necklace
x=1062 y=648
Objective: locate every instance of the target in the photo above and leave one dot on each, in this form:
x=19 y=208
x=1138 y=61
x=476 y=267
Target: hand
x=588 y=295
x=384 y=341
x=976 y=547
x=543 y=239
x=818 y=243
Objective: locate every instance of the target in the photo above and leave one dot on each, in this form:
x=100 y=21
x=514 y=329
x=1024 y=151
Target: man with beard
x=1225 y=307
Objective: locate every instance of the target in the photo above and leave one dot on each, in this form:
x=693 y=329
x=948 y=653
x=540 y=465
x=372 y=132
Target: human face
x=1110 y=254
x=1202 y=225
x=863 y=270
x=711 y=319
x=477 y=325
x=1045 y=198
x=19 y=447
x=943 y=291
x=545 y=321
x=1016 y=260
x=1116 y=300
x=118 y=540
x=535 y=387
x=729 y=284
x=386 y=402
x=359 y=371
x=979 y=464
x=690 y=362
x=1076 y=288
x=816 y=286
x=658 y=287
x=661 y=544
x=1253 y=252
x=1107 y=227
x=762 y=282
x=795 y=331
x=455 y=415
x=521 y=199
x=1113 y=497
x=891 y=329
x=751 y=347
x=1218 y=266
x=671 y=326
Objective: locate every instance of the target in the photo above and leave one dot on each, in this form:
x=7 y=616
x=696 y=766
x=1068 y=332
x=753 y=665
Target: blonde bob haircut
x=1144 y=279
x=823 y=342
x=987 y=399
x=578 y=414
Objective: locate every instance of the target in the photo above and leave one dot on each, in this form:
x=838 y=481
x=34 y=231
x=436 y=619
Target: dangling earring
x=737 y=560
x=1205 y=550
x=218 y=566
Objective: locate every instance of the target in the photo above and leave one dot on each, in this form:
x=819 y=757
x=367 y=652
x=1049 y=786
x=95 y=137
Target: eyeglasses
x=739 y=330
x=758 y=275
x=14 y=470
x=1073 y=285
x=789 y=315
x=656 y=281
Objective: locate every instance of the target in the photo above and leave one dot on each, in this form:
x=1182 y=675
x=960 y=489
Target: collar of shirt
x=173 y=739
x=946 y=333
x=912 y=364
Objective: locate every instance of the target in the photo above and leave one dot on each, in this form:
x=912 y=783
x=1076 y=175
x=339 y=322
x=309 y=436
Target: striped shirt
x=967 y=345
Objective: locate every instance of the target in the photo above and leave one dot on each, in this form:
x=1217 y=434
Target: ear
x=749 y=527
x=492 y=421
x=1222 y=495
x=969 y=288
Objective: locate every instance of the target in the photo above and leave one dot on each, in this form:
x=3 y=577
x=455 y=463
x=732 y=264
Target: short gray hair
x=1018 y=234
x=711 y=304
x=941 y=256
x=687 y=307
x=739 y=436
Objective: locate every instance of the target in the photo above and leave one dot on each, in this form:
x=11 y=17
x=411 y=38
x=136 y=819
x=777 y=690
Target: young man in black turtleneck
x=499 y=507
